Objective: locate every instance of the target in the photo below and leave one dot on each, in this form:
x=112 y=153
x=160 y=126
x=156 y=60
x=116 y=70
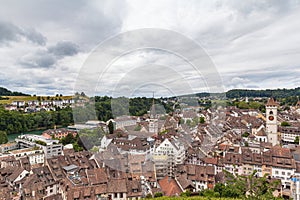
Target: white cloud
x=252 y=43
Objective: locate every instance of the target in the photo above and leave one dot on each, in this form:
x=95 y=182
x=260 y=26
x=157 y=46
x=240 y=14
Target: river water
x=12 y=137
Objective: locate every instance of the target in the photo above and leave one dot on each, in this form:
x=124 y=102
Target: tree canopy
x=3 y=137
x=18 y=122
x=6 y=92
x=277 y=93
x=244 y=187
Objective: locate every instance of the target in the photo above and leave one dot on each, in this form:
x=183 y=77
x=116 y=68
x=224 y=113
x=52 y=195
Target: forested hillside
x=17 y=122
x=6 y=92
x=277 y=93
x=137 y=106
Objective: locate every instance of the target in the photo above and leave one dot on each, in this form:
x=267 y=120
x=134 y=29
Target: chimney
x=33 y=193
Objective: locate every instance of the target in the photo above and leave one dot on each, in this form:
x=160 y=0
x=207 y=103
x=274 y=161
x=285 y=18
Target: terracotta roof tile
x=169 y=187
x=272 y=102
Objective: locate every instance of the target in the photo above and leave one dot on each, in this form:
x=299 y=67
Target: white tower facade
x=271 y=121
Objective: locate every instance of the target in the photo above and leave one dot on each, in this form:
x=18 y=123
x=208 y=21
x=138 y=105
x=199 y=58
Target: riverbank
x=12 y=137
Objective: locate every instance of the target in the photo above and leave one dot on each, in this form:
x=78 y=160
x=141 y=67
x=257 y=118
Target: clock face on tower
x=271 y=118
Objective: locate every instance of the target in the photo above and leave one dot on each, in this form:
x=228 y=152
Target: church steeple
x=153 y=122
x=152 y=110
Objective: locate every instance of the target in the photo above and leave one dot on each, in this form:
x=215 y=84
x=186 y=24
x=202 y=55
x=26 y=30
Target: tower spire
x=152 y=111
x=153 y=121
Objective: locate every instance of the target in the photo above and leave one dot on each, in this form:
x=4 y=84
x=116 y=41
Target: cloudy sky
x=45 y=46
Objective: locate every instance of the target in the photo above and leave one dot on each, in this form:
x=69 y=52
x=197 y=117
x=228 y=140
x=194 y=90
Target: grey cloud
x=248 y=7
x=64 y=48
x=34 y=36
x=40 y=81
x=39 y=59
x=10 y=32
x=45 y=61
x=92 y=22
x=252 y=86
x=264 y=78
x=48 y=58
x=225 y=28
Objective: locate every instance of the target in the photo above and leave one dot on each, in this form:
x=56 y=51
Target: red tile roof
x=169 y=187
x=271 y=102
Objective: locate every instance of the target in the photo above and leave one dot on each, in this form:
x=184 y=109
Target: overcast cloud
x=253 y=44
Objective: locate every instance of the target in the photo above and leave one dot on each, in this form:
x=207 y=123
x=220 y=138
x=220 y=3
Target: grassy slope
x=192 y=198
x=28 y=98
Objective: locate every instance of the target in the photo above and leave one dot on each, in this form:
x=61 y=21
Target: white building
x=283 y=165
x=49 y=146
x=68 y=101
x=167 y=155
x=271 y=121
x=35 y=155
x=123 y=121
x=173 y=149
x=18 y=103
x=261 y=135
x=57 y=103
x=284 y=174
x=289 y=134
x=8 y=147
x=33 y=103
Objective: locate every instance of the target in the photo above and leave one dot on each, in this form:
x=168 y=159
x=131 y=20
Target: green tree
x=220 y=188
x=296 y=140
x=69 y=139
x=111 y=127
x=284 y=123
x=254 y=105
x=202 y=120
x=243 y=105
x=3 y=137
x=245 y=134
x=181 y=121
x=95 y=149
x=188 y=122
x=76 y=147
x=187 y=193
x=249 y=187
x=158 y=194
x=138 y=128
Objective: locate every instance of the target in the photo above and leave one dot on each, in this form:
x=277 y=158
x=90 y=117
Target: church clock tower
x=271 y=121
x=153 y=121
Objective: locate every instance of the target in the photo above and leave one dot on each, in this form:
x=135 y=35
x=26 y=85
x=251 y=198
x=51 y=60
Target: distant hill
x=6 y=92
x=237 y=93
x=277 y=93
